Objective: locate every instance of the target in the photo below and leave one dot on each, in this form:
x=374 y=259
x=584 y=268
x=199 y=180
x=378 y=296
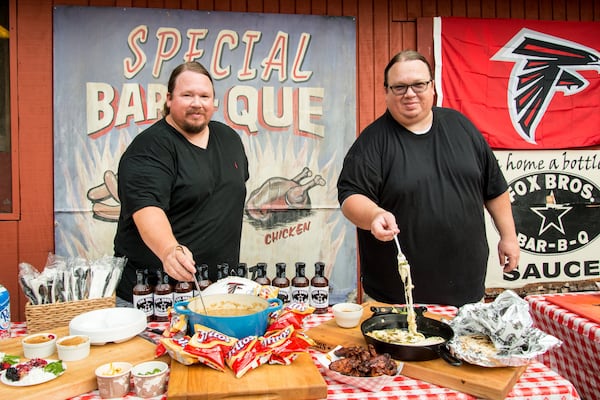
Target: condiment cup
x=73 y=348
x=113 y=379
x=347 y=315
x=39 y=345
x=150 y=378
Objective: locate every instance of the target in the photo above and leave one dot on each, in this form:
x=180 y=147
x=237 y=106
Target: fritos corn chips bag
x=246 y=354
x=210 y=346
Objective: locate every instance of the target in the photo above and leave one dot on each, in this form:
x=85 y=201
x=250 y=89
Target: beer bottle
x=319 y=289
x=300 y=285
x=143 y=295
x=282 y=282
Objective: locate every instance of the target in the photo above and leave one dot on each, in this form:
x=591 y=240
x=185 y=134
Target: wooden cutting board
x=79 y=377
x=488 y=383
x=300 y=380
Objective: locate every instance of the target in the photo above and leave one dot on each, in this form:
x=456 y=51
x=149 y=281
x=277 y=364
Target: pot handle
x=274 y=305
x=448 y=357
x=181 y=307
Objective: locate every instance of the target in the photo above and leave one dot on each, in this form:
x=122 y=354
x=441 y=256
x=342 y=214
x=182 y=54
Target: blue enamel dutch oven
x=254 y=322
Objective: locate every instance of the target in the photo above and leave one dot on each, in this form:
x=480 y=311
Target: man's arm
x=365 y=214
x=508 y=246
x=157 y=234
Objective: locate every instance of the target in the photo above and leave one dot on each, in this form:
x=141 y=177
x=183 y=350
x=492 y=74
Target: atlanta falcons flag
x=525 y=84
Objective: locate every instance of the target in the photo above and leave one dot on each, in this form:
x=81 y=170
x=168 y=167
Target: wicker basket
x=50 y=316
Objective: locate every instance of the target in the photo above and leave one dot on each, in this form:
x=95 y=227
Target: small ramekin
x=150 y=378
x=39 y=345
x=113 y=379
x=73 y=348
x=347 y=315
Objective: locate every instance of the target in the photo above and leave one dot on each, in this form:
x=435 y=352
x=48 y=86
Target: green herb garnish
x=10 y=359
x=154 y=371
x=55 y=367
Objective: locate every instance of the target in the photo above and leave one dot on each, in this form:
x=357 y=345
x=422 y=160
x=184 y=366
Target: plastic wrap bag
x=504 y=323
x=70 y=279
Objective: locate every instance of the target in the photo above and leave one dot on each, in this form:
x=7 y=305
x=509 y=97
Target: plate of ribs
x=360 y=367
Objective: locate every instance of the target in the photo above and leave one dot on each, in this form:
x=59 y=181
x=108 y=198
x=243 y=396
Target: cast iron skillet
x=384 y=318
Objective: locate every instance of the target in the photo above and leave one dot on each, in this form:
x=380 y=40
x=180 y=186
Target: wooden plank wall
x=383 y=28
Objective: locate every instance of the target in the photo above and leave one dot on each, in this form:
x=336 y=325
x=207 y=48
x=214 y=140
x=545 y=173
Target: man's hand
x=383 y=226
x=179 y=263
x=508 y=254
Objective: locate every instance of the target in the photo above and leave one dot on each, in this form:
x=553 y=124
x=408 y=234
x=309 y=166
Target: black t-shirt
x=435 y=184
x=202 y=191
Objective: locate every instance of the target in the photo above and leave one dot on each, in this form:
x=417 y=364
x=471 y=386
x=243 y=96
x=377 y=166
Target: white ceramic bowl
x=347 y=315
x=150 y=378
x=113 y=379
x=117 y=324
x=73 y=348
x=39 y=345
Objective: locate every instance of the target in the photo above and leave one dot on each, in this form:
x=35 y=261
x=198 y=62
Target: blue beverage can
x=4 y=313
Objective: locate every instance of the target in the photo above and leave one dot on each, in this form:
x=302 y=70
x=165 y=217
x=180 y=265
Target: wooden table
x=537 y=382
x=578 y=358
x=79 y=376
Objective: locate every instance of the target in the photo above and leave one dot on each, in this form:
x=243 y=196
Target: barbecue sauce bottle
x=282 y=282
x=222 y=271
x=203 y=280
x=163 y=297
x=143 y=295
x=319 y=289
x=241 y=270
x=183 y=291
x=300 y=285
x=259 y=274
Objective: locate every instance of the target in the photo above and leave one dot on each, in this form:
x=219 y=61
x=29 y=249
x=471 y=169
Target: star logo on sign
x=552 y=216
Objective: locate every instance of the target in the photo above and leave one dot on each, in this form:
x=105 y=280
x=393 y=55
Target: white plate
x=48 y=376
x=117 y=324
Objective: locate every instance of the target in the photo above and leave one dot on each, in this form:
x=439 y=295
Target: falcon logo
x=544 y=65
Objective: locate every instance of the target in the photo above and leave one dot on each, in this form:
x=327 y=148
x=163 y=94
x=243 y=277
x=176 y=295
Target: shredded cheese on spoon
x=411 y=318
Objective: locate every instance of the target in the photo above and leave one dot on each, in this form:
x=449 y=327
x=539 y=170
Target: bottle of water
x=4 y=313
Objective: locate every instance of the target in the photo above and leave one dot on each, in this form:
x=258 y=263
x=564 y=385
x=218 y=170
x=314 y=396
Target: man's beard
x=193 y=129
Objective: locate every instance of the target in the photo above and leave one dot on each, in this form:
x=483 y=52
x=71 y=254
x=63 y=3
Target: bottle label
x=162 y=303
x=182 y=296
x=144 y=302
x=319 y=296
x=4 y=313
x=284 y=294
x=300 y=294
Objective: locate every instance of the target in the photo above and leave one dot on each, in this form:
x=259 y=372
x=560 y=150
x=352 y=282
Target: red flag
x=525 y=84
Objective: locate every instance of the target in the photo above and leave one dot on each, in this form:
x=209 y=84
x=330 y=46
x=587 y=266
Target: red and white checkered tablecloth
x=578 y=358
x=538 y=382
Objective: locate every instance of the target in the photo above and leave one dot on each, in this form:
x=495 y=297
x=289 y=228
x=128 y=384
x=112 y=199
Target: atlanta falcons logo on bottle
x=544 y=65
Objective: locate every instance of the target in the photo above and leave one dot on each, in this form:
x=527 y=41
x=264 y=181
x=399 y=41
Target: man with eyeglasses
x=426 y=174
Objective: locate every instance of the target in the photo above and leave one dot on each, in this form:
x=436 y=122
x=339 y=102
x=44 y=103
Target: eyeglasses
x=400 y=90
